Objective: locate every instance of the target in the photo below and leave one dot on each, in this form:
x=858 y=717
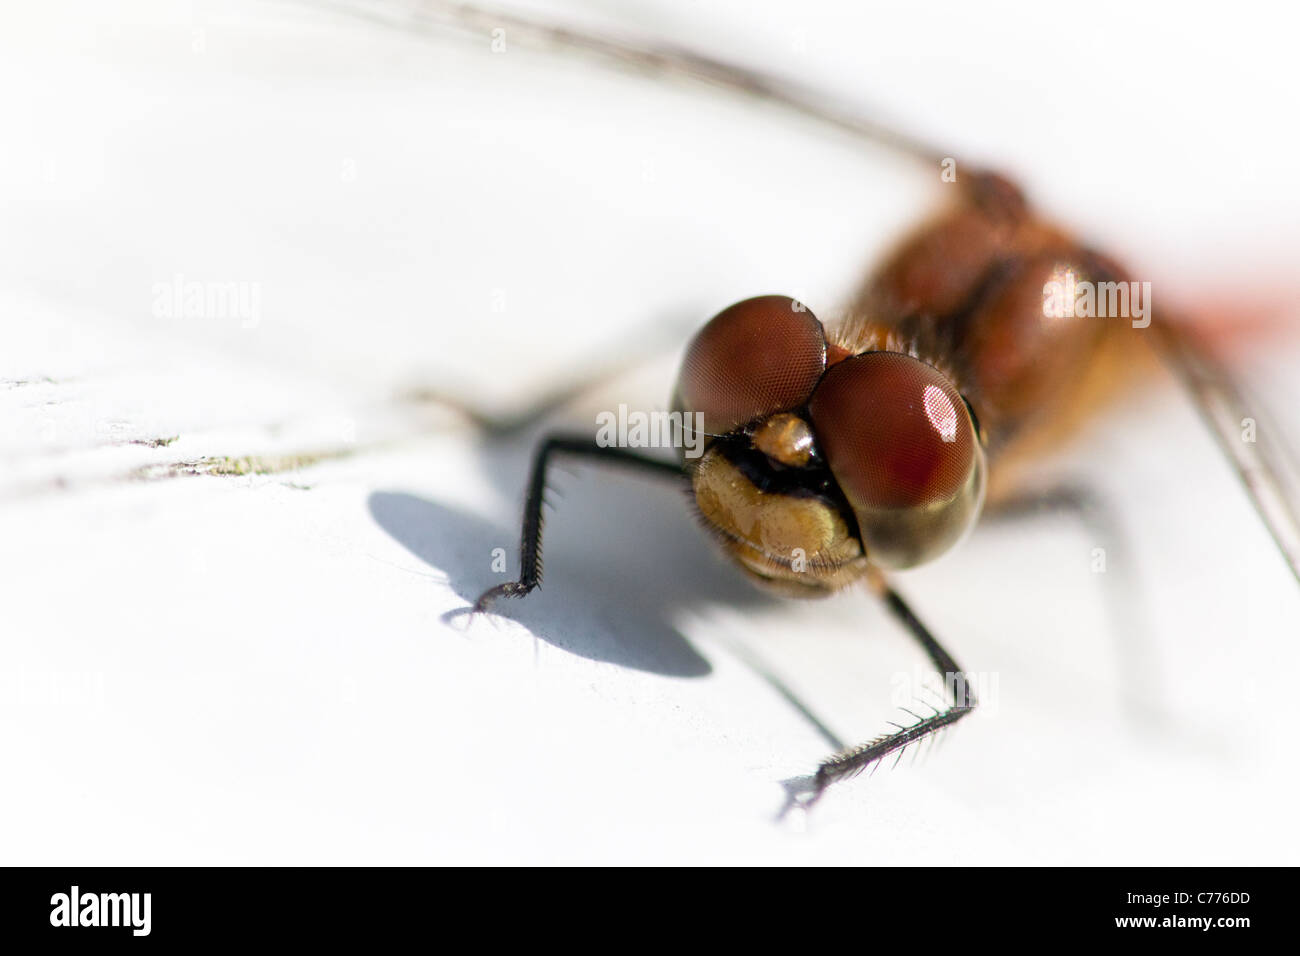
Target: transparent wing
x=667 y=59
x=1250 y=441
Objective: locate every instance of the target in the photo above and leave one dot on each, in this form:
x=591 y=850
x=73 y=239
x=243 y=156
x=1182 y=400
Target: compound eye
x=901 y=444
x=757 y=357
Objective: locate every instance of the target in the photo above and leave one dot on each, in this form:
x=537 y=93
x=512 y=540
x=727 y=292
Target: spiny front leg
x=530 y=542
x=960 y=702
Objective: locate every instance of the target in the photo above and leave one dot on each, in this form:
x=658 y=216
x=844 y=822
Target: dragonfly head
x=813 y=468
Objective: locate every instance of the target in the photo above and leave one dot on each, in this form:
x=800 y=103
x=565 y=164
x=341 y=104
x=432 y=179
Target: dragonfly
x=836 y=453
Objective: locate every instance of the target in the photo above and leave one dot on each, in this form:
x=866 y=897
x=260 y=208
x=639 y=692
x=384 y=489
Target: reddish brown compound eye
x=901 y=444
x=754 y=358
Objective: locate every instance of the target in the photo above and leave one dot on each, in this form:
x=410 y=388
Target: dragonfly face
x=821 y=462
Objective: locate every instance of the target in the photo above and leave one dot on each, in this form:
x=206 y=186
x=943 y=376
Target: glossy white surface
x=256 y=668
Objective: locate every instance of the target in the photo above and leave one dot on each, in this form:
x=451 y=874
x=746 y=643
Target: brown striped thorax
x=830 y=450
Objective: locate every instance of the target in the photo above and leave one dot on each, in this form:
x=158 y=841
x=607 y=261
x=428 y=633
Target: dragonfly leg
x=530 y=543
x=960 y=702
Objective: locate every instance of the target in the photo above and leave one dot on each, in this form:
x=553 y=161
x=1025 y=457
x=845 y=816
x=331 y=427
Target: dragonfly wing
x=1249 y=440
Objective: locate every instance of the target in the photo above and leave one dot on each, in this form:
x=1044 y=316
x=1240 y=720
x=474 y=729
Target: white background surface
x=257 y=668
